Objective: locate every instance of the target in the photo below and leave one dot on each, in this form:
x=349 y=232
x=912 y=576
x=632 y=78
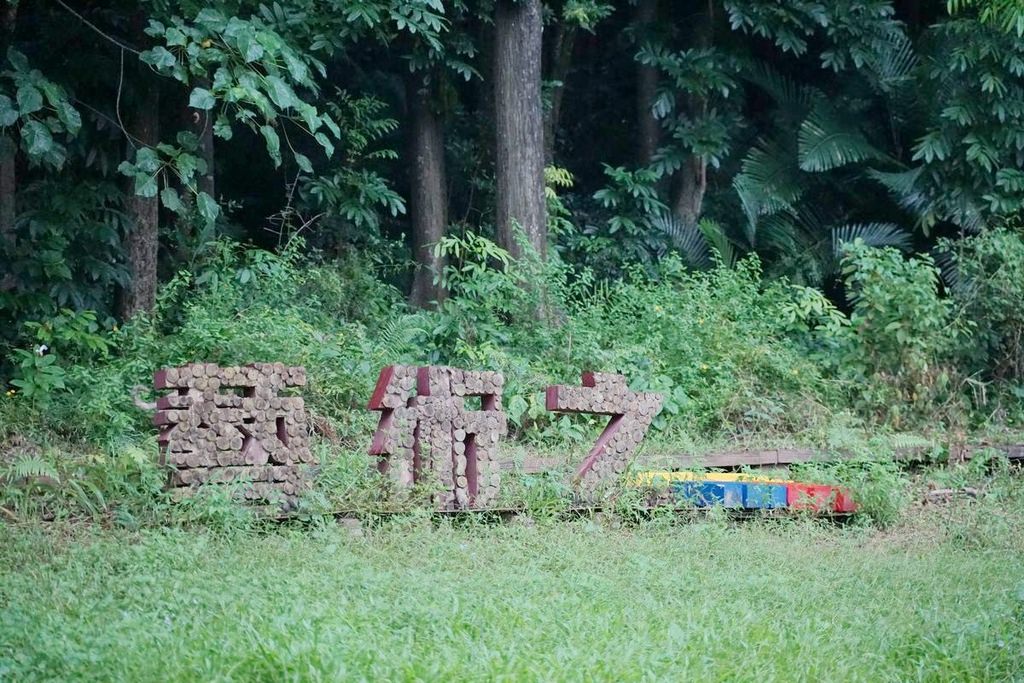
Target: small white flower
x=41 y=349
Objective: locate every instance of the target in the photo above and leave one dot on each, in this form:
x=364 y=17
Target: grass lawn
x=940 y=597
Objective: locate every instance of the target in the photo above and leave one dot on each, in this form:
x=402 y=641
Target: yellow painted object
x=653 y=478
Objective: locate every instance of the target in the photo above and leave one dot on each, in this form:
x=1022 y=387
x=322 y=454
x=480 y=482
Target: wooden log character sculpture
x=631 y=414
x=426 y=434
x=229 y=425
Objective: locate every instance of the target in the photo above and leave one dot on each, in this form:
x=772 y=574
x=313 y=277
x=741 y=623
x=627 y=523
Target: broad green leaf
x=280 y=92
x=37 y=138
x=155 y=28
x=30 y=100
x=8 y=114
x=159 y=57
x=69 y=116
x=208 y=207
x=325 y=143
x=169 y=198
x=17 y=60
x=147 y=160
x=297 y=70
x=222 y=128
x=212 y=19
x=222 y=79
x=188 y=140
x=175 y=37
x=303 y=161
x=201 y=98
x=331 y=125
x=186 y=164
x=270 y=40
x=145 y=184
x=273 y=143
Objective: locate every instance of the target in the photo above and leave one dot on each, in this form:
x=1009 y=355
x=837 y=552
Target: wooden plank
x=532 y=465
x=763 y=458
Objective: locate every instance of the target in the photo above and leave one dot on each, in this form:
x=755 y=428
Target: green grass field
x=938 y=597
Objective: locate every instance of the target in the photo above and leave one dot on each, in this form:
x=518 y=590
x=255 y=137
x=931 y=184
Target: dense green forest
x=783 y=215
x=801 y=222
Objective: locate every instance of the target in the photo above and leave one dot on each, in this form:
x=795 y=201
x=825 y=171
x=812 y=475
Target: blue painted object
x=709 y=493
x=764 y=496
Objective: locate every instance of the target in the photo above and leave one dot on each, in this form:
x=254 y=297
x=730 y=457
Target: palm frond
x=793 y=99
x=893 y=65
x=769 y=182
x=719 y=242
x=901 y=183
x=873 y=234
x=750 y=202
x=779 y=233
x=949 y=271
x=826 y=141
x=770 y=170
x=688 y=240
x=816 y=220
x=799 y=248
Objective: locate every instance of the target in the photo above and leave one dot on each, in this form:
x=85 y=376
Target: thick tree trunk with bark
x=561 y=61
x=428 y=199
x=691 y=181
x=143 y=238
x=519 y=126
x=648 y=127
x=691 y=184
x=8 y=189
x=8 y=145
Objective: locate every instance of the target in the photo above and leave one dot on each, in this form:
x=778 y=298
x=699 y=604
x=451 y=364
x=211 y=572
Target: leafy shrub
x=990 y=290
x=896 y=354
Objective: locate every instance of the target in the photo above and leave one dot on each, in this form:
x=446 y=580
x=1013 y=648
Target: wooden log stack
x=394 y=441
x=427 y=434
x=230 y=425
x=475 y=436
x=630 y=414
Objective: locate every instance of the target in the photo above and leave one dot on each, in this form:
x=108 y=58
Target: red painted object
x=819 y=498
x=808 y=497
x=844 y=501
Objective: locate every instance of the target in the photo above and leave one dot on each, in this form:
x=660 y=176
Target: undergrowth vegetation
x=739 y=360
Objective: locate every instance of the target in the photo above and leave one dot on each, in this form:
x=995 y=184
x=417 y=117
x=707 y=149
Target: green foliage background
x=853 y=279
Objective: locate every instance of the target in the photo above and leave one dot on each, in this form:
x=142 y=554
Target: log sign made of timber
x=231 y=426
x=426 y=434
x=630 y=415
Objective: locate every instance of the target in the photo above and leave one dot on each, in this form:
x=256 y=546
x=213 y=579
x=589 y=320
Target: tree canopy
x=601 y=134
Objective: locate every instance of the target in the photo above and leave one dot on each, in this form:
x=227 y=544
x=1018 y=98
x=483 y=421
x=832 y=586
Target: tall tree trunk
x=561 y=61
x=691 y=181
x=8 y=146
x=519 y=125
x=8 y=189
x=143 y=239
x=428 y=199
x=648 y=127
x=691 y=184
